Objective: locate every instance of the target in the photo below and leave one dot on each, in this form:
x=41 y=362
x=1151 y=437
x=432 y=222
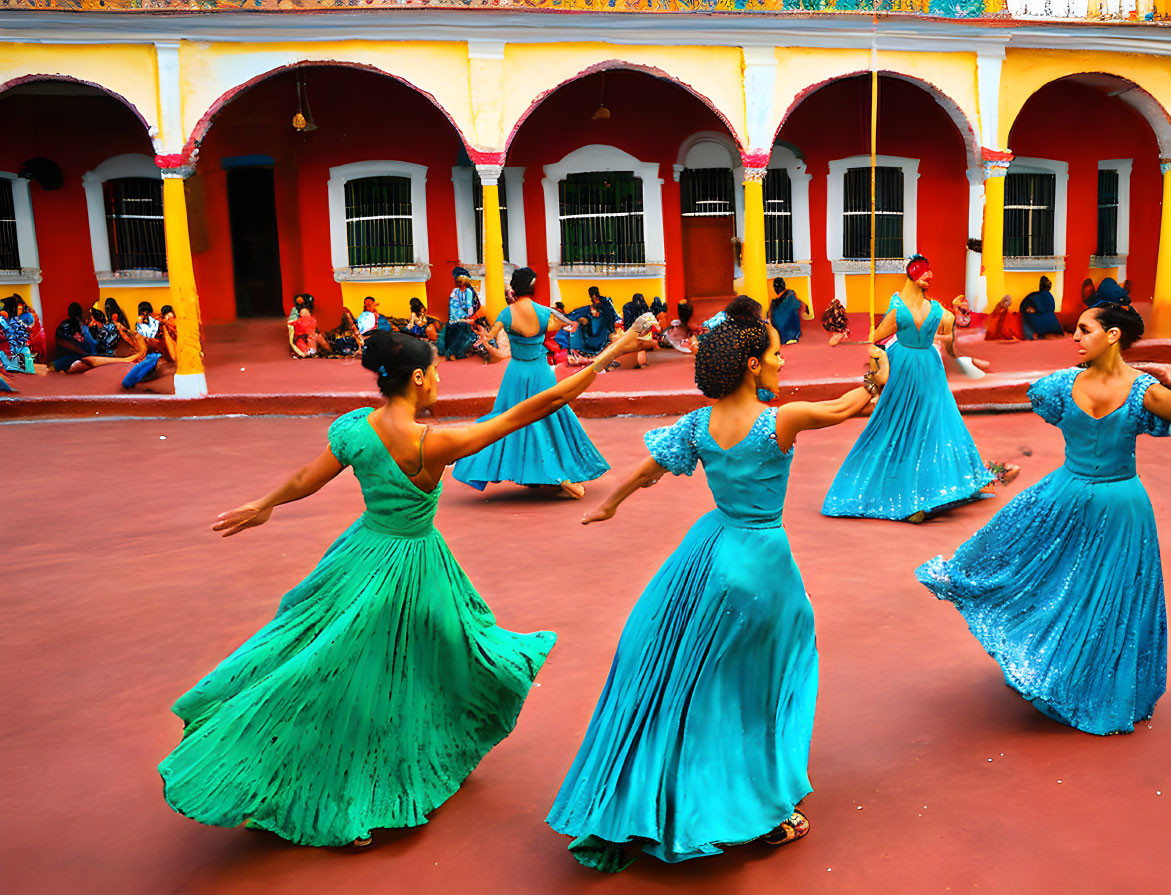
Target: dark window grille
x=478 y=198
x=379 y=225
x=888 y=218
x=601 y=219
x=134 y=223
x=9 y=250
x=707 y=193
x=778 y=217
x=1107 y=213
x=1028 y=214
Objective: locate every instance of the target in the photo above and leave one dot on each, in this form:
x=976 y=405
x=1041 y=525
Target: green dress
x=374 y=692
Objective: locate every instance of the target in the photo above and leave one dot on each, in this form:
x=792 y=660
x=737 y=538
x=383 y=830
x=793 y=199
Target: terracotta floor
x=117 y=597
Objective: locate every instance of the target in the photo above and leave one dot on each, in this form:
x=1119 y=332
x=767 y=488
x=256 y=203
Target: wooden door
x=708 y=269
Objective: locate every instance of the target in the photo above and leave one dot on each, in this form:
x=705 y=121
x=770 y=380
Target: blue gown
x=548 y=452
x=700 y=738
x=1064 y=587
x=785 y=316
x=915 y=452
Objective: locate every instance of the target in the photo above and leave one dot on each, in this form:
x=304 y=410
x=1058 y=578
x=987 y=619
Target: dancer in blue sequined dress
x=915 y=457
x=1078 y=621
x=552 y=451
x=700 y=738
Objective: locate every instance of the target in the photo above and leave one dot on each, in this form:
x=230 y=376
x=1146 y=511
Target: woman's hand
x=248 y=516
x=880 y=364
x=599 y=514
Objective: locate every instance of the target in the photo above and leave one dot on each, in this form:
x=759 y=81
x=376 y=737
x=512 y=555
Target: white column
x=988 y=66
x=172 y=138
x=760 y=73
x=975 y=286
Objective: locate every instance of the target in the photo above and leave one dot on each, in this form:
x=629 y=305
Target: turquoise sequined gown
x=915 y=453
x=1064 y=586
x=700 y=738
x=550 y=451
x=378 y=687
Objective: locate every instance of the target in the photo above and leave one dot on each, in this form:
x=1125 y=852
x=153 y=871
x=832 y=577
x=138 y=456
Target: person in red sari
x=1003 y=324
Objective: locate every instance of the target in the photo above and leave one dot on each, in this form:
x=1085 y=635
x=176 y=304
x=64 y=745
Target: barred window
x=9 y=250
x=888 y=213
x=1107 y=212
x=478 y=201
x=379 y=225
x=707 y=193
x=601 y=219
x=134 y=223
x=1029 y=201
x=778 y=217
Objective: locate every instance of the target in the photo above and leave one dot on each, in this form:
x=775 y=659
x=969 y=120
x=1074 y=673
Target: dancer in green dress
x=383 y=679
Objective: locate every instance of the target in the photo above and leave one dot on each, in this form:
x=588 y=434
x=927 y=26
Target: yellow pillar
x=993 y=251
x=190 y=381
x=752 y=256
x=493 y=241
x=1161 y=306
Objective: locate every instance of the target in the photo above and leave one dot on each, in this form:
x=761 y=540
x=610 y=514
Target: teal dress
x=378 y=687
x=700 y=738
x=915 y=453
x=1064 y=586
x=550 y=451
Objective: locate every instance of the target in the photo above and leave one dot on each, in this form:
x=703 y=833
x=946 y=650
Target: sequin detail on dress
x=1064 y=586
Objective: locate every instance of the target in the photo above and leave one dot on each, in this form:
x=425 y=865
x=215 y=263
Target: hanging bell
x=299 y=122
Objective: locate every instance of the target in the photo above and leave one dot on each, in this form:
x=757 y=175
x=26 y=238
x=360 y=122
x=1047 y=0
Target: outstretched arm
x=801 y=415
x=305 y=481
x=647 y=474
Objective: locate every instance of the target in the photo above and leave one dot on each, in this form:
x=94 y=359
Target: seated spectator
x=659 y=309
x=835 y=322
x=148 y=322
x=345 y=340
x=300 y=300
x=784 y=312
x=634 y=309
x=963 y=313
x=1002 y=324
x=1109 y=292
x=679 y=333
x=36 y=332
x=368 y=319
x=75 y=347
x=1039 y=313
x=307 y=341
x=132 y=345
x=1088 y=292
x=104 y=333
x=420 y=323
x=15 y=356
x=458 y=338
x=596 y=328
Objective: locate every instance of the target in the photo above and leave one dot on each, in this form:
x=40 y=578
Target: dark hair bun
x=724 y=352
x=1124 y=318
x=394 y=357
x=522 y=281
x=743 y=309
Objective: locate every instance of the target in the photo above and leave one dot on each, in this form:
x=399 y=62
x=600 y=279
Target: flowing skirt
x=1064 y=588
x=915 y=453
x=378 y=687
x=550 y=451
x=700 y=738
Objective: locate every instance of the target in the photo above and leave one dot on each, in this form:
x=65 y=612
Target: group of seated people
x=22 y=338
x=347 y=338
x=1038 y=317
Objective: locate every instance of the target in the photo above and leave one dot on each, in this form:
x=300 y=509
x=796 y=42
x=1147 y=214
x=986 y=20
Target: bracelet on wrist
x=868 y=383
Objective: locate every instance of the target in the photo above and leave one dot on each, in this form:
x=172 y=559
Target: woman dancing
x=555 y=451
x=1079 y=624
x=915 y=456
x=383 y=680
x=700 y=738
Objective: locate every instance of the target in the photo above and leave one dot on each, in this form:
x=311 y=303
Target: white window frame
x=465 y=218
x=419 y=271
x=597 y=158
x=129 y=164
x=1056 y=261
x=836 y=209
x=785 y=159
x=1123 y=167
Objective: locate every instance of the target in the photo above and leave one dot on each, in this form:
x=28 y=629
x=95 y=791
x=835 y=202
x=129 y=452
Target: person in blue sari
x=1039 y=313
x=458 y=338
x=1064 y=586
x=597 y=324
x=784 y=312
x=700 y=738
x=554 y=451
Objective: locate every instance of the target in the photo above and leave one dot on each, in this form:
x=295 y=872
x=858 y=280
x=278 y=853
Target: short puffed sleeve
x=1048 y=395
x=674 y=447
x=341 y=434
x=1148 y=423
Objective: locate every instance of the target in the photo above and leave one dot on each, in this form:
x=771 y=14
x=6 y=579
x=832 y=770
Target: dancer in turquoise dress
x=383 y=680
x=553 y=451
x=915 y=457
x=1064 y=587
x=700 y=738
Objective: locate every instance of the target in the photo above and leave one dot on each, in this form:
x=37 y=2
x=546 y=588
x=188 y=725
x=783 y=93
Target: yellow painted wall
x=1027 y=71
x=129 y=70
x=437 y=68
x=394 y=299
x=576 y=293
x=858 y=291
x=128 y=297
x=532 y=69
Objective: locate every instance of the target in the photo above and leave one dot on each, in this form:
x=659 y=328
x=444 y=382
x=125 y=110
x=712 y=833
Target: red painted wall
x=1104 y=128
x=649 y=118
x=834 y=123
x=78 y=133
x=360 y=117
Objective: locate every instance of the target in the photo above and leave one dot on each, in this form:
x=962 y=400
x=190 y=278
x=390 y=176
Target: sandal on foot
x=918 y=517
x=362 y=843
x=790 y=830
x=572 y=490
